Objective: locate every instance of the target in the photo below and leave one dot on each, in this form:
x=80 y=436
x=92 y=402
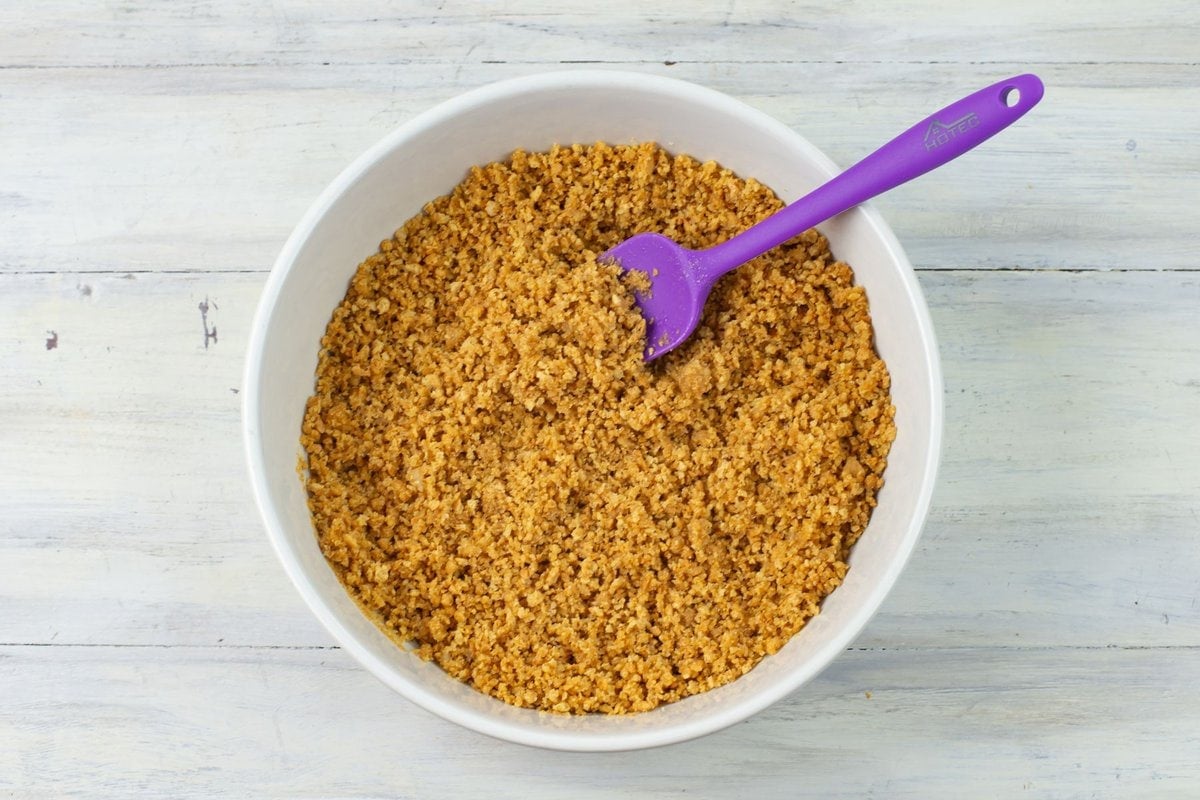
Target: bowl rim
x=414 y=691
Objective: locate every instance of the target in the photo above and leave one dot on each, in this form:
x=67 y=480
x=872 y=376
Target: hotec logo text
x=940 y=132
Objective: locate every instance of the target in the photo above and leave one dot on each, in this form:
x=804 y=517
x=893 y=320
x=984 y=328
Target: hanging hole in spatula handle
x=929 y=144
x=946 y=134
x=957 y=128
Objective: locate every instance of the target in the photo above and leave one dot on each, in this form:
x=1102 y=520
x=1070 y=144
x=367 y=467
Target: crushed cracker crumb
x=497 y=478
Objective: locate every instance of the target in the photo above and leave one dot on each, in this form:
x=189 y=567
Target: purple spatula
x=680 y=279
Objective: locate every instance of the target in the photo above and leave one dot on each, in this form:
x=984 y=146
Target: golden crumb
x=498 y=478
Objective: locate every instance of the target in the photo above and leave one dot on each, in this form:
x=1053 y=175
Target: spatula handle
x=944 y=136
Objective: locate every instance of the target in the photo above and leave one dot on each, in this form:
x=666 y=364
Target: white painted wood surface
x=1045 y=639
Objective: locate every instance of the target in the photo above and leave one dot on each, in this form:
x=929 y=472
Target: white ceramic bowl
x=424 y=159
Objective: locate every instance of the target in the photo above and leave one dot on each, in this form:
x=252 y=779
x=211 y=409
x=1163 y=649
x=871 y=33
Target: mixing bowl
x=426 y=158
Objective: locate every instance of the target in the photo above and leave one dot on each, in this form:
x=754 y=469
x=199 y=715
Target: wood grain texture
x=136 y=169
x=78 y=32
x=1044 y=640
x=254 y=722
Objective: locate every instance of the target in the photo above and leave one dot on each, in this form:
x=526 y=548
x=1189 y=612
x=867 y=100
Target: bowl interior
x=426 y=158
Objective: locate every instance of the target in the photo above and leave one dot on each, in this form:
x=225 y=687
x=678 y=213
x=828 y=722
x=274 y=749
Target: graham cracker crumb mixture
x=497 y=477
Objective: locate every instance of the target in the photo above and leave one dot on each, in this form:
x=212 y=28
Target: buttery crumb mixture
x=498 y=479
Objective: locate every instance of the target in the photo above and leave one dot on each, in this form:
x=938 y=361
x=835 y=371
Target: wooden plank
x=1068 y=505
x=170 y=722
x=1067 y=509
x=541 y=31
x=208 y=168
x=130 y=518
